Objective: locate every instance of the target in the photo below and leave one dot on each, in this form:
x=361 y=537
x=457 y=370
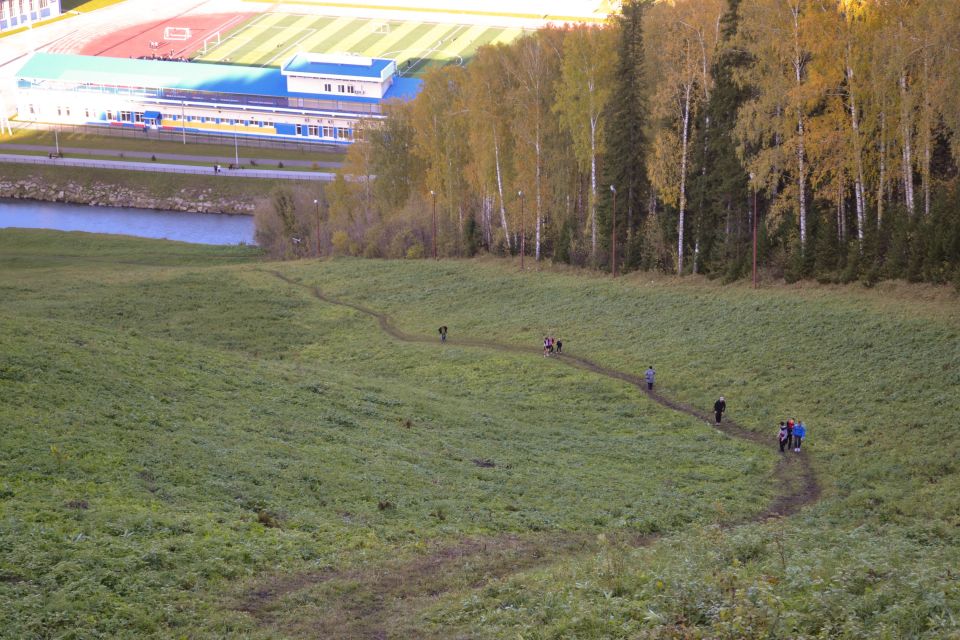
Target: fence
x=158 y=167
x=244 y=140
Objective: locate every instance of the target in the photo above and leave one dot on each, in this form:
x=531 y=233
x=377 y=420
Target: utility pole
x=433 y=194
x=316 y=204
x=523 y=234
x=236 y=150
x=613 y=235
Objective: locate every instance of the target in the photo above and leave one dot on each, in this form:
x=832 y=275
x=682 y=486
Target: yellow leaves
x=664 y=168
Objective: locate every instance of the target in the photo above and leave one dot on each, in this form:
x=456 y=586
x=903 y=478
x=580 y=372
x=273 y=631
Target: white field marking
x=463 y=41
x=329 y=30
x=290 y=48
x=459 y=29
x=358 y=34
x=429 y=42
x=271 y=44
x=240 y=38
x=396 y=35
x=508 y=35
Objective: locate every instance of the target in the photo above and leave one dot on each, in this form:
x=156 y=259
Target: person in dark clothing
x=559 y=346
x=782 y=437
x=719 y=407
x=790 y=424
x=443 y=333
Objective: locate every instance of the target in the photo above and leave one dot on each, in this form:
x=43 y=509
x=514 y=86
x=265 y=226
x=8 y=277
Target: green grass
x=180 y=428
x=421 y=45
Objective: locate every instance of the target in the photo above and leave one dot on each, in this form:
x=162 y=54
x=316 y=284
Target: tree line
x=679 y=136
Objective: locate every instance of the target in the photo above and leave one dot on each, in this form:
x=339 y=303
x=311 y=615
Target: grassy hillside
x=192 y=447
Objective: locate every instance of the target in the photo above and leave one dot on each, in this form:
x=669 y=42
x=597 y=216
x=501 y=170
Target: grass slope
x=176 y=423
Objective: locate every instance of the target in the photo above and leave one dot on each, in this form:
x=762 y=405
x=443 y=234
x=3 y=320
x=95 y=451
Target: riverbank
x=114 y=188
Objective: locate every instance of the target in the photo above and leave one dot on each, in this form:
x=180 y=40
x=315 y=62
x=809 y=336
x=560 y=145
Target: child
x=799 y=432
x=782 y=437
x=559 y=346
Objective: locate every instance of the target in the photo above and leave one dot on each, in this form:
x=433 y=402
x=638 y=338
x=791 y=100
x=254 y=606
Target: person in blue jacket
x=799 y=432
x=649 y=376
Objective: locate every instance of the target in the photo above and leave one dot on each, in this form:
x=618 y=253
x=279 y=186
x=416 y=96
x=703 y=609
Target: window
x=138 y=116
x=59 y=111
x=109 y=115
x=341 y=88
x=312 y=130
x=86 y=113
x=351 y=89
x=343 y=134
x=328 y=132
x=328 y=87
x=126 y=116
x=299 y=130
x=66 y=111
x=32 y=110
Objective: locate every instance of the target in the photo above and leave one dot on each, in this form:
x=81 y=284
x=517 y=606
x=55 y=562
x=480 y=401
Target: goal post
x=211 y=42
x=177 y=33
x=382 y=28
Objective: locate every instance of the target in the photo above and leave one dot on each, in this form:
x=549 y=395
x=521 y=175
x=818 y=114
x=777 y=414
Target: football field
x=270 y=39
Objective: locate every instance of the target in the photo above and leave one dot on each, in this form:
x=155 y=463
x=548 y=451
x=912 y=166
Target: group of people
x=551 y=346
x=791 y=435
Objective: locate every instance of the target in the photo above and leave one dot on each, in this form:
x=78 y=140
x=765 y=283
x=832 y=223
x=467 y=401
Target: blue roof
x=193 y=76
x=302 y=63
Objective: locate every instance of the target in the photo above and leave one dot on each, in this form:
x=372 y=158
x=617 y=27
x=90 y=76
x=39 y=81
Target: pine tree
x=720 y=186
x=625 y=161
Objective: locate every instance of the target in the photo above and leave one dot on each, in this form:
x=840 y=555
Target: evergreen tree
x=625 y=162
x=719 y=189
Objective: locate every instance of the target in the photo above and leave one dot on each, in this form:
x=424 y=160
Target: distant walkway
x=182 y=157
x=160 y=167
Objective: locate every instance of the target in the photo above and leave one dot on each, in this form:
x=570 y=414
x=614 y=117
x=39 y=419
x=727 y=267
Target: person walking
x=790 y=424
x=546 y=346
x=650 y=375
x=782 y=437
x=443 y=333
x=799 y=433
x=719 y=407
x=559 y=346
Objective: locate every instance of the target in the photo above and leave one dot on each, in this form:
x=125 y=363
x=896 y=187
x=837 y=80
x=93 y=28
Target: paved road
x=181 y=157
x=160 y=167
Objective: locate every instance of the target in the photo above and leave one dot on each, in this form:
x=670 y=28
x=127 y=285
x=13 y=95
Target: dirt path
x=370 y=603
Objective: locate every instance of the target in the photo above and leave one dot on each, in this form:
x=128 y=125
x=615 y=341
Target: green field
x=192 y=446
x=271 y=38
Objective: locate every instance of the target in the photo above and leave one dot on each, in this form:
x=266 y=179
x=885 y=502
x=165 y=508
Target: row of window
x=137 y=117
x=341 y=88
x=21 y=7
x=325 y=132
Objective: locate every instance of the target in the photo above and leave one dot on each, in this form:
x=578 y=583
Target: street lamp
x=753 y=184
x=316 y=204
x=433 y=194
x=613 y=234
x=236 y=150
x=56 y=138
x=523 y=233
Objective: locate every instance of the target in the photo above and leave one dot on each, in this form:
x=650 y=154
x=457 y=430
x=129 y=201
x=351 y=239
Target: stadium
x=220 y=69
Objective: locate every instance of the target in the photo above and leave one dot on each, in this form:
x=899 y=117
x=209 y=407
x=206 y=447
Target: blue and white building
x=23 y=13
x=312 y=97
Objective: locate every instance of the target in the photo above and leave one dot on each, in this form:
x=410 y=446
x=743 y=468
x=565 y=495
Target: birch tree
x=585 y=87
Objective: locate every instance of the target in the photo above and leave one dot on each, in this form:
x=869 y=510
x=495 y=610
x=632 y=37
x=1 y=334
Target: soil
x=369 y=603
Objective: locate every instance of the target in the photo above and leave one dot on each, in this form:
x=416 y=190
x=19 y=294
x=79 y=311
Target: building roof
x=336 y=65
x=193 y=76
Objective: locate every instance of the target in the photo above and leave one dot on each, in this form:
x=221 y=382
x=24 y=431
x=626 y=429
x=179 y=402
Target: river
x=199 y=228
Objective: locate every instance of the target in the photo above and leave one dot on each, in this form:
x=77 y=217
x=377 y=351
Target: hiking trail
x=370 y=606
